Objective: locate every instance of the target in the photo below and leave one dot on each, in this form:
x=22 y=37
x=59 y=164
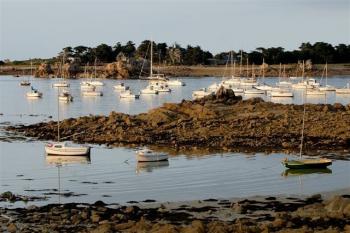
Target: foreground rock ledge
x=221 y=121
x=269 y=214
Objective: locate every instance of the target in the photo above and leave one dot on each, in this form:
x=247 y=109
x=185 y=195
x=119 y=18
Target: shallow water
x=115 y=172
x=113 y=175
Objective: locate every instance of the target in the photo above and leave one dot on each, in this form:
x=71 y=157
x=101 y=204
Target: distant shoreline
x=204 y=71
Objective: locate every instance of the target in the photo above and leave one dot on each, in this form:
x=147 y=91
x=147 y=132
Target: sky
x=41 y=28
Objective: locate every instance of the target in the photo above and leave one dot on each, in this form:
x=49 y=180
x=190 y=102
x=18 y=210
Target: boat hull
x=67 y=151
x=307 y=164
x=152 y=158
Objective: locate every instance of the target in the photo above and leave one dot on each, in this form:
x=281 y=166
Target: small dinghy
x=128 y=94
x=149 y=90
x=147 y=155
x=121 y=87
x=175 y=82
x=25 y=83
x=61 y=84
x=65 y=96
x=34 y=93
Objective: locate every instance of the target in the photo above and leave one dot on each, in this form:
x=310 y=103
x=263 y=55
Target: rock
x=43 y=71
x=339 y=204
x=103 y=228
x=95 y=217
x=11 y=227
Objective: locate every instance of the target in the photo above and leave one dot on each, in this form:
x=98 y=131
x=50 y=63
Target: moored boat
x=149 y=90
x=62 y=148
x=307 y=163
x=61 y=84
x=65 y=96
x=128 y=94
x=34 y=93
x=175 y=82
x=147 y=155
x=121 y=87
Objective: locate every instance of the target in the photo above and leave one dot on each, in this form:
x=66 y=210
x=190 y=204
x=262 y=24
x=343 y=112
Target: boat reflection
x=300 y=172
x=282 y=100
x=150 y=166
x=62 y=160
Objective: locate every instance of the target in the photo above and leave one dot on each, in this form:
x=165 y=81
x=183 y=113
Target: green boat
x=307 y=163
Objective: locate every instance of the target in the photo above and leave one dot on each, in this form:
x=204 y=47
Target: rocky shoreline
x=222 y=121
x=123 y=70
x=258 y=214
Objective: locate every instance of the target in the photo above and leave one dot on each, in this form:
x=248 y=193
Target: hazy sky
x=40 y=28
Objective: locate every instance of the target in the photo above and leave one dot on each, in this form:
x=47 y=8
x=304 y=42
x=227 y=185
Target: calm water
x=113 y=175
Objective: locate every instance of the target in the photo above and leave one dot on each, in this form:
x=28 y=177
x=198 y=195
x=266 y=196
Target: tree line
x=319 y=52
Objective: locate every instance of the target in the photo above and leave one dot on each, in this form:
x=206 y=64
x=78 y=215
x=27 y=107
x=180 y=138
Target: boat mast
x=263 y=70
x=303 y=72
x=31 y=67
x=231 y=57
x=95 y=67
x=58 y=115
x=151 y=71
x=303 y=126
x=326 y=73
x=247 y=67
x=240 y=65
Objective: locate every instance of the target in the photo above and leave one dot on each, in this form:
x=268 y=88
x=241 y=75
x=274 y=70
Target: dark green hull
x=296 y=164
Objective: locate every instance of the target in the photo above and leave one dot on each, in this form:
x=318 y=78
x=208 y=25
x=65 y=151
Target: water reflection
x=282 y=100
x=63 y=160
x=150 y=166
x=300 y=172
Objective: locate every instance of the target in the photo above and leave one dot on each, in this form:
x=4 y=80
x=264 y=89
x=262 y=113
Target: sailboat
x=63 y=148
x=158 y=83
x=234 y=81
x=26 y=82
x=326 y=87
x=96 y=82
x=61 y=83
x=263 y=86
x=301 y=163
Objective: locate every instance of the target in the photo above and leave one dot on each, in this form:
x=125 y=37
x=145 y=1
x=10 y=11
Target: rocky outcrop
x=44 y=70
x=70 y=70
x=221 y=121
x=124 y=67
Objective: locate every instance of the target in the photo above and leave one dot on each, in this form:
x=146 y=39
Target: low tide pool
x=114 y=176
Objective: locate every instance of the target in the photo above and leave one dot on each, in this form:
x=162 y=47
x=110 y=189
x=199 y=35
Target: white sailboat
x=61 y=83
x=63 y=148
x=26 y=82
x=95 y=82
x=326 y=87
x=263 y=86
x=34 y=93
